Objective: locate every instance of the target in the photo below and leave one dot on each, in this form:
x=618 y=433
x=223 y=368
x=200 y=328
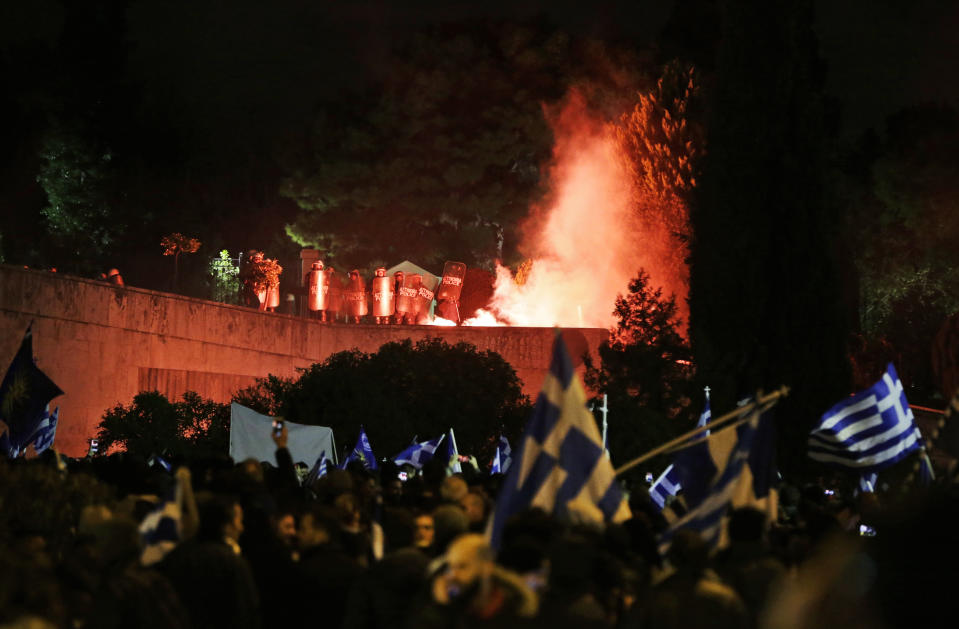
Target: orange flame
x=587 y=241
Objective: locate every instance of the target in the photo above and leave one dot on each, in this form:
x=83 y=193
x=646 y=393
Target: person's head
x=454 y=489
x=318 y=526
x=354 y=274
x=423 y=531
x=475 y=507
x=449 y=522
x=469 y=561
x=317 y=266
x=380 y=272
x=285 y=527
x=220 y=517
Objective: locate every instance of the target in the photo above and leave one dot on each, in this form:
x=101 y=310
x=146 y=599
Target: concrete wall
x=102 y=344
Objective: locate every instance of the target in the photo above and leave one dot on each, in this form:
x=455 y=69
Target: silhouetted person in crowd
x=213 y=580
x=472 y=591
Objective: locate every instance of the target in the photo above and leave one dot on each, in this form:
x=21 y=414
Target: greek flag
x=46 y=432
x=665 y=487
x=156 y=459
x=361 y=452
x=452 y=455
x=867 y=483
x=25 y=394
x=418 y=454
x=868 y=431
x=318 y=471
x=560 y=466
x=505 y=453
x=668 y=485
x=160 y=530
x=732 y=467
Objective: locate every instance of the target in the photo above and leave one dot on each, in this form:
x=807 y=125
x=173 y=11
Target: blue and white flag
x=867 y=483
x=362 y=452
x=868 y=431
x=25 y=395
x=735 y=468
x=497 y=466
x=505 y=454
x=560 y=466
x=161 y=529
x=668 y=484
x=452 y=455
x=706 y=416
x=318 y=471
x=418 y=454
x=46 y=432
x=665 y=487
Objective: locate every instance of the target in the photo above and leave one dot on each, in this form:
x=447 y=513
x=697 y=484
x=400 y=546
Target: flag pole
x=605 y=410
x=740 y=414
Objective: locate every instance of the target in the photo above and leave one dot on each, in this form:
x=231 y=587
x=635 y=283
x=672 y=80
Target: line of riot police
x=401 y=299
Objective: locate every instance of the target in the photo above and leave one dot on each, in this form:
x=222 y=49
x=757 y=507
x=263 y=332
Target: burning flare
x=587 y=241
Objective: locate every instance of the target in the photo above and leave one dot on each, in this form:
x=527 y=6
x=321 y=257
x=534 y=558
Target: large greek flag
x=560 y=466
x=733 y=467
x=868 y=431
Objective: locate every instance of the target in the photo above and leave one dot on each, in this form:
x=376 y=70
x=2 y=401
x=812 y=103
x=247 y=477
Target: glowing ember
x=587 y=242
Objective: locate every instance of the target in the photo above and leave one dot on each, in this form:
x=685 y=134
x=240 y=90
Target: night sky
x=239 y=82
x=263 y=66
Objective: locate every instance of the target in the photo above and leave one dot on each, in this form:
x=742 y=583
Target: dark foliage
x=154 y=425
x=400 y=391
x=645 y=370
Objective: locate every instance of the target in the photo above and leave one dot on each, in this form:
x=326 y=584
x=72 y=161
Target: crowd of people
x=355 y=549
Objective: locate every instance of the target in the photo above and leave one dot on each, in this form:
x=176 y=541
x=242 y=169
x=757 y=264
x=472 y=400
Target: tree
x=401 y=391
x=444 y=160
x=225 y=283
x=904 y=223
x=152 y=424
x=765 y=303
x=662 y=142
x=78 y=175
x=645 y=371
x=175 y=244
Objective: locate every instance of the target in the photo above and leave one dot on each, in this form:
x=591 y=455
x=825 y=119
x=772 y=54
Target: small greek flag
x=319 y=470
x=867 y=483
x=46 y=432
x=868 y=431
x=665 y=487
x=418 y=454
x=452 y=455
x=160 y=530
x=668 y=484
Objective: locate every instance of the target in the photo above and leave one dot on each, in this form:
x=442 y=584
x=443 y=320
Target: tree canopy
x=903 y=197
x=153 y=425
x=645 y=371
x=401 y=391
x=444 y=159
